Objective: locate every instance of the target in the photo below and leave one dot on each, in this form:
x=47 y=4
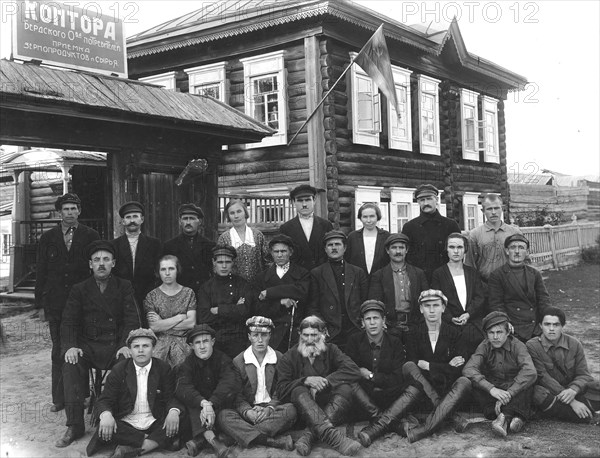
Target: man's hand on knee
x=108 y=426
x=72 y=355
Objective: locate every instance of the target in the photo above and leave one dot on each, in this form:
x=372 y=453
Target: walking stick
x=292 y=325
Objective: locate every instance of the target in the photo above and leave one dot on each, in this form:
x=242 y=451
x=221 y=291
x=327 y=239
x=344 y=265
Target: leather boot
x=364 y=402
x=394 y=412
x=459 y=390
x=410 y=369
x=336 y=440
x=281 y=442
x=194 y=446
x=304 y=445
x=336 y=409
x=220 y=448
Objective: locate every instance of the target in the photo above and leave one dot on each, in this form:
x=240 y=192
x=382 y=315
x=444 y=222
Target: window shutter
x=377 y=113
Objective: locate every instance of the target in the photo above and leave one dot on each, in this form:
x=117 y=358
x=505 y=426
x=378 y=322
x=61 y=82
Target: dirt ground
x=29 y=429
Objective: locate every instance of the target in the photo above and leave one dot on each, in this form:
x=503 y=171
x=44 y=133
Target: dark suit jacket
x=147 y=254
x=120 y=390
x=293 y=285
x=99 y=323
x=522 y=307
x=442 y=280
x=58 y=269
x=308 y=254
x=196 y=262
x=382 y=289
x=355 y=250
x=324 y=297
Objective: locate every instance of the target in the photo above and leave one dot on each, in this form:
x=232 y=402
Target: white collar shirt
x=262 y=395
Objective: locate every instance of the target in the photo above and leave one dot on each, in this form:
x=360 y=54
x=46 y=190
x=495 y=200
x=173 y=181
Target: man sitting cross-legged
x=258 y=416
x=138 y=410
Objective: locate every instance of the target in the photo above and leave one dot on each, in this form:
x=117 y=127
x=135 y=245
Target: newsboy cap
x=432 y=295
x=281 y=238
x=100 y=245
x=372 y=305
x=516 y=238
x=190 y=209
x=334 y=235
x=131 y=207
x=494 y=318
x=425 y=190
x=224 y=250
x=199 y=329
x=302 y=190
x=259 y=324
x=68 y=198
x=141 y=332
x=393 y=238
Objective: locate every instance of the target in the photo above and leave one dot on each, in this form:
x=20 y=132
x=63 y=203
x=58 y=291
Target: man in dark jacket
x=137 y=408
x=98 y=317
x=62 y=261
x=206 y=383
x=428 y=232
x=136 y=254
x=192 y=249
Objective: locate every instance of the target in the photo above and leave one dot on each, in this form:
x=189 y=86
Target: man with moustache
x=337 y=288
x=502 y=374
x=283 y=293
x=62 y=261
x=137 y=408
x=519 y=290
x=306 y=229
x=317 y=378
x=136 y=254
x=206 y=383
x=192 y=249
x=97 y=319
x=428 y=232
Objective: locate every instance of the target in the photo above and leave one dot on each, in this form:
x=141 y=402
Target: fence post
x=579 y=239
x=553 y=246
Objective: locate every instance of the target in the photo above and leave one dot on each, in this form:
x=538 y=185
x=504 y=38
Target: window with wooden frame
x=365 y=194
x=402 y=208
x=209 y=80
x=489 y=129
x=472 y=216
x=365 y=107
x=166 y=80
x=469 y=123
x=429 y=117
x=399 y=125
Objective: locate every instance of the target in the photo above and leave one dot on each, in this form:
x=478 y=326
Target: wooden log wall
x=45 y=188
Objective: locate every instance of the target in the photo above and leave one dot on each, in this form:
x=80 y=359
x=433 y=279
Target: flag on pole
x=374 y=59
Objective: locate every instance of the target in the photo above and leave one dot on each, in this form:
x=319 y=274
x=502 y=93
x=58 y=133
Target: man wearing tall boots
x=317 y=378
x=62 y=262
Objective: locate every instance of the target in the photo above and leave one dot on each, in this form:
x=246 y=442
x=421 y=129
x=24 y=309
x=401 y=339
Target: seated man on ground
x=258 y=415
x=563 y=375
x=503 y=375
x=317 y=377
x=140 y=393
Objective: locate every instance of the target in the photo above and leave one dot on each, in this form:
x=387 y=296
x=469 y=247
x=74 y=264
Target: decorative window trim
x=471 y=200
x=167 y=80
x=401 y=83
x=204 y=75
x=365 y=131
x=469 y=100
x=271 y=64
x=428 y=87
x=489 y=106
x=402 y=196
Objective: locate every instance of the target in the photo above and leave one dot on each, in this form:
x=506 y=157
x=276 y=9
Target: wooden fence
x=560 y=246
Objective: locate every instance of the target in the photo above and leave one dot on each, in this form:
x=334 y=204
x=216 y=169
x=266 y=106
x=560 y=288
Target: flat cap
x=425 y=190
x=372 y=305
x=494 y=318
x=199 y=329
x=259 y=324
x=190 y=209
x=432 y=295
x=131 y=207
x=393 y=238
x=516 y=238
x=68 y=198
x=141 y=332
x=100 y=245
x=302 y=190
x=281 y=238
x=224 y=250
x=334 y=235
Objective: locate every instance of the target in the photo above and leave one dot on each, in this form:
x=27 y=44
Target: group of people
x=238 y=341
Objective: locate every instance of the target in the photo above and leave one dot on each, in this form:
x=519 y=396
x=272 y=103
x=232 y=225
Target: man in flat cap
x=428 y=232
x=258 y=416
x=282 y=293
x=306 y=229
x=337 y=288
x=138 y=410
x=193 y=250
x=97 y=319
x=225 y=302
x=519 y=290
x=136 y=254
x=563 y=375
x=206 y=383
x=502 y=374
x=62 y=261
x=317 y=377
x=398 y=286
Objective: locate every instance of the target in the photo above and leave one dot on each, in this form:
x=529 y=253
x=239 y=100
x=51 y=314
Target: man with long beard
x=317 y=378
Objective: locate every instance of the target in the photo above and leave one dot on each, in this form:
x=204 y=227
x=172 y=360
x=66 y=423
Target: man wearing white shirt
x=258 y=415
x=138 y=410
